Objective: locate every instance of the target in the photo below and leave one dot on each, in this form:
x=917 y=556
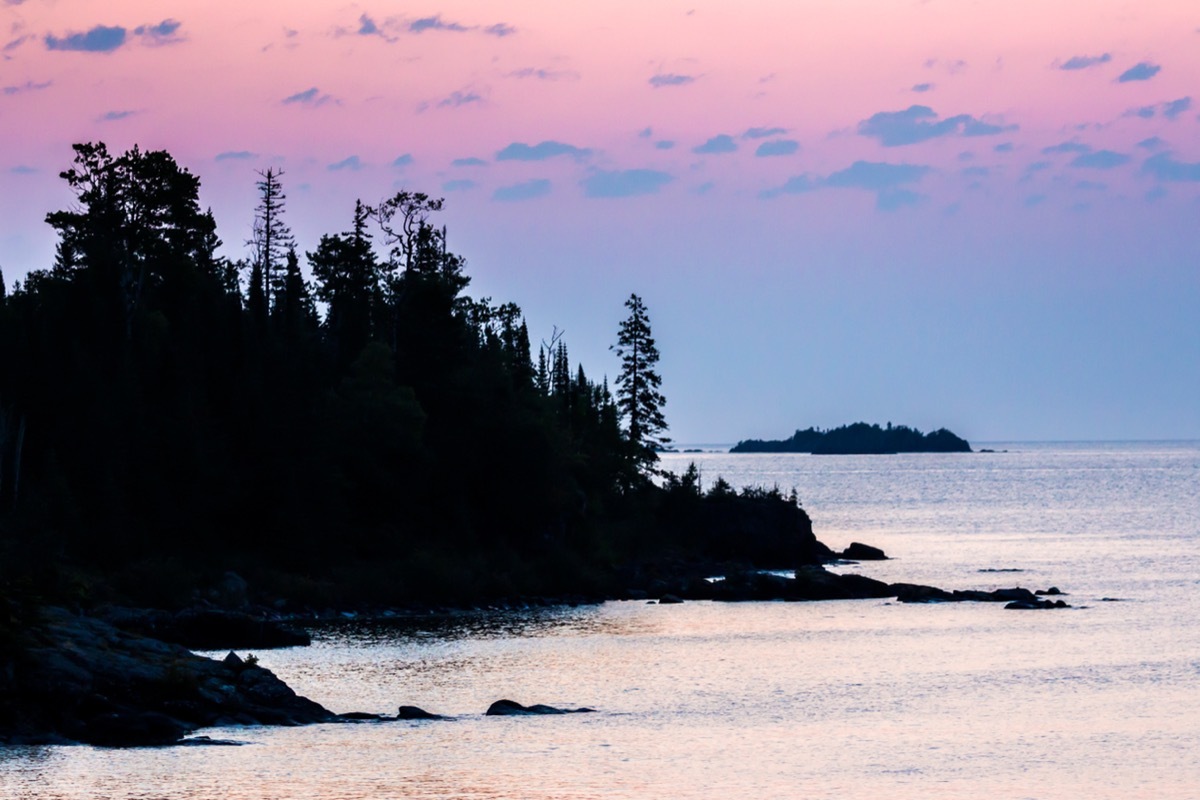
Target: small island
x=859 y=439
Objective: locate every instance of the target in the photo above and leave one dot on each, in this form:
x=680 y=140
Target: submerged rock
x=511 y=708
x=414 y=712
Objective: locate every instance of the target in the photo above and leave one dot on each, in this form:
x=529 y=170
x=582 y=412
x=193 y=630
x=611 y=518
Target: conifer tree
x=638 y=397
x=272 y=237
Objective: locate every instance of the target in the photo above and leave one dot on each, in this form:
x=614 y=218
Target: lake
x=839 y=699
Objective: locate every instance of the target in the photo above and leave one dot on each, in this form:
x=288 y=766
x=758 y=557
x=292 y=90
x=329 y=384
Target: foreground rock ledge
x=78 y=679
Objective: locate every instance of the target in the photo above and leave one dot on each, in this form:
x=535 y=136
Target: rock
x=511 y=708
x=414 y=712
x=232 y=591
x=132 y=729
x=669 y=599
x=857 y=551
x=234 y=662
x=1053 y=590
x=1029 y=605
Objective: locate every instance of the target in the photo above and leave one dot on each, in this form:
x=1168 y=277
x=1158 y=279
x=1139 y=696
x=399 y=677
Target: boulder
x=414 y=712
x=857 y=551
x=669 y=599
x=511 y=708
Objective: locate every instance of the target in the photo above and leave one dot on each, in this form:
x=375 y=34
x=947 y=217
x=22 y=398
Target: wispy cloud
x=625 y=182
x=885 y=179
x=100 y=39
x=778 y=147
x=458 y=99
x=763 y=133
x=23 y=169
x=921 y=123
x=896 y=199
x=921 y=88
x=27 y=86
x=1142 y=71
x=1085 y=62
x=114 y=116
x=500 y=29
x=351 y=163
x=236 y=155
x=519 y=151
x=402 y=161
x=458 y=185
x=1175 y=108
x=1101 y=159
x=664 y=144
x=528 y=190
x=1166 y=167
x=662 y=80
x=470 y=161
x=436 y=23
x=721 y=143
x=312 y=98
x=542 y=74
x=164 y=33
x=1153 y=143
x=1066 y=147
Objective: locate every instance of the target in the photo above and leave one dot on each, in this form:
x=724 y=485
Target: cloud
x=1084 y=62
x=1034 y=200
x=1101 y=159
x=528 y=190
x=22 y=169
x=500 y=29
x=458 y=185
x=236 y=155
x=1066 y=147
x=15 y=43
x=470 y=161
x=367 y=27
x=976 y=172
x=671 y=79
x=876 y=175
x=885 y=179
x=625 y=182
x=1142 y=71
x=1174 y=108
x=457 y=99
x=920 y=123
x=1145 y=112
x=100 y=39
x=778 y=147
x=161 y=34
x=721 y=143
x=645 y=133
x=896 y=199
x=435 y=23
x=1091 y=186
x=664 y=144
x=27 y=86
x=309 y=97
x=763 y=133
x=1004 y=147
x=402 y=161
x=113 y=116
x=921 y=88
x=519 y=151
x=1153 y=143
x=703 y=188
x=545 y=74
x=1166 y=168
x=800 y=184
x=351 y=163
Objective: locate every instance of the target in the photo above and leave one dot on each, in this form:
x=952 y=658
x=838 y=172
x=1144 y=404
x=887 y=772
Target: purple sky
x=981 y=216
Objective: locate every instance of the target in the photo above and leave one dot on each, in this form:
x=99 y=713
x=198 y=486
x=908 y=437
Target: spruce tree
x=638 y=397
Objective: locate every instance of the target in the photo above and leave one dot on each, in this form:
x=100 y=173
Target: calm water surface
x=858 y=699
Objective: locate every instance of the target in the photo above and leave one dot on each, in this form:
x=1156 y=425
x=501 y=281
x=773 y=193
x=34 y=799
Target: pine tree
x=638 y=397
x=272 y=238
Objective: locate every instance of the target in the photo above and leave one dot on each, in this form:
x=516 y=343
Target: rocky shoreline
x=126 y=677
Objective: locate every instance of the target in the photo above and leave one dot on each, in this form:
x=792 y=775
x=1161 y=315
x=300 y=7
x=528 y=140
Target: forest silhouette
x=371 y=435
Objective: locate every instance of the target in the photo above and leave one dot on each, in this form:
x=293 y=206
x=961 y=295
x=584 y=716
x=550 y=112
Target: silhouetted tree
x=272 y=238
x=638 y=396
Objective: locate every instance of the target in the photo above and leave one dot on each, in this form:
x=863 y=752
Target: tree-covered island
x=859 y=439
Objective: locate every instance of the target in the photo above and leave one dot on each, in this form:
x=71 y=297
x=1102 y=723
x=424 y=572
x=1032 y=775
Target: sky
x=975 y=215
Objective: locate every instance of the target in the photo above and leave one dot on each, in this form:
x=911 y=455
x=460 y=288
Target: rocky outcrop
x=414 y=712
x=511 y=708
x=78 y=679
x=208 y=628
x=857 y=551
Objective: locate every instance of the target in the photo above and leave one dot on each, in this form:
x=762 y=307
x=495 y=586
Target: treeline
x=859 y=438
x=371 y=434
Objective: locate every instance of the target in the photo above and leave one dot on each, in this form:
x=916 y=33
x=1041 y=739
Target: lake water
x=842 y=699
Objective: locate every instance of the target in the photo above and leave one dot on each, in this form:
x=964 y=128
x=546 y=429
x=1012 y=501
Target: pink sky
x=1014 y=256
